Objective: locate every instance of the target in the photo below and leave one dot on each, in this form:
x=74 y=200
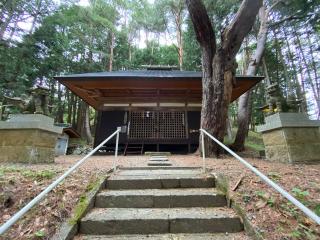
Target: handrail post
x=115 y=160
x=203 y=153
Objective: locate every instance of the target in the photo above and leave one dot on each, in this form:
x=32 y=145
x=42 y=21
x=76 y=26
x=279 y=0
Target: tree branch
x=204 y=33
x=201 y=23
x=289 y=18
x=240 y=26
x=274 y=5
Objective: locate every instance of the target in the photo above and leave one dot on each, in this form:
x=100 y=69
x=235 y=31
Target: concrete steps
x=160 y=203
x=158 y=160
x=195 y=236
x=159 y=163
x=112 y=221
x=159 y=181
x=160 y=198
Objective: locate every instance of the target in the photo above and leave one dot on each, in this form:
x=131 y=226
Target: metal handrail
x=267 y=180
x=37 y=199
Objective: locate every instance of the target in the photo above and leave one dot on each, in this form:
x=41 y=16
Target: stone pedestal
x=291 y=138
x=28 y=138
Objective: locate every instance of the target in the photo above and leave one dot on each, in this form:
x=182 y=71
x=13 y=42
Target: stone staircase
x=159 y=160
x=160 y=203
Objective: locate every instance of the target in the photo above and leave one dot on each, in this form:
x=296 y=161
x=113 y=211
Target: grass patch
x=4 y=170
x=83 y=202
x=93 y=185
x=253 y=141
x=33 y=174
x=39 y=175
x=254 y=146
x=79 y=209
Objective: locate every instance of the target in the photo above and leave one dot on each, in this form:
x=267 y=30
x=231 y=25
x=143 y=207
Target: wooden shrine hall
x=159 y=107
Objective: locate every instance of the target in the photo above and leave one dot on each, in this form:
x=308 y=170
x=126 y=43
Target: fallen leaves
x=42 y=221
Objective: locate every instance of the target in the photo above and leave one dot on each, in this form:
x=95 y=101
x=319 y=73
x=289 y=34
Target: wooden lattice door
x=157 y=125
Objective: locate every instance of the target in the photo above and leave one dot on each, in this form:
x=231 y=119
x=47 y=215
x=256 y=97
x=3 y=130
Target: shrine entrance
x=157 y=125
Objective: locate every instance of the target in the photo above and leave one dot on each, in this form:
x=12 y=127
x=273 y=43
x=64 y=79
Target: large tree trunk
x=218 y=66
x=112 y=35
x=83 y=125
x=244 y=106
x=179 y=21
x=60 y=109
x=74 y=111
x=69 y=105
x=180 y=43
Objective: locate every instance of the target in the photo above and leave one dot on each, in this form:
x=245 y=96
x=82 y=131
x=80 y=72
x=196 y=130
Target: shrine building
x=159 y=107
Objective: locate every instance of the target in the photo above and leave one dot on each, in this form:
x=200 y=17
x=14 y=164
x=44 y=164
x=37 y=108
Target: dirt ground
x=272 y=215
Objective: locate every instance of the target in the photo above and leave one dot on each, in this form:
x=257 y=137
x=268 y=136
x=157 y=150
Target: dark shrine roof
x=100 y=89
x=150 y=74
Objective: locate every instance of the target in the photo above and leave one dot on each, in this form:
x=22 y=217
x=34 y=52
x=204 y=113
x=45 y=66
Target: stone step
x=159 y=181
x=158 y=159
x=125 y=171
x=160 y=198
x=111 y=221
x=157 y=153
x=195 y=236
x=159 y=163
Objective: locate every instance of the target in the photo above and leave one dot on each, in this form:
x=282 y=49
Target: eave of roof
x=144 y=85
x=146 y=74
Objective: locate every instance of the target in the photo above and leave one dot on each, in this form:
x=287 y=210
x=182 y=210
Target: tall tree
x=244 y=106
x=218 y=63
x=173 y=13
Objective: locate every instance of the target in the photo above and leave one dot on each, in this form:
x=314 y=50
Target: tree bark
x=177 y=10
x=83 y=125
x=111 y=51
x=70 y=100
x=60 y=109
x=244 y=106
x=218 y=65
x=74 y=112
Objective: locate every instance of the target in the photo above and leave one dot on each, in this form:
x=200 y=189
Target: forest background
x=40 y=39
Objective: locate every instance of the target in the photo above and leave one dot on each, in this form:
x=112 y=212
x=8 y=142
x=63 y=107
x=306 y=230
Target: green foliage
x=317 y=209
x=300 y=194
x=290 y=208
x=83 y=201
x=79 y=209
x=40 y=234
x=246 y=198
x=192 y=51
x=266 y=198
x=303 y=232
x=69 y=38
x=274 y=176
x=39 y=175
x=93 y=185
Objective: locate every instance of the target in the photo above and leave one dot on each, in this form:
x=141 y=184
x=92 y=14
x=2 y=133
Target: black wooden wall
x=108 y=121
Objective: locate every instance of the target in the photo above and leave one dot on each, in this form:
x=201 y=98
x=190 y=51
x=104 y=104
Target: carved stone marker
x=291 y=138
x=28 y=138
x=36 y=103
